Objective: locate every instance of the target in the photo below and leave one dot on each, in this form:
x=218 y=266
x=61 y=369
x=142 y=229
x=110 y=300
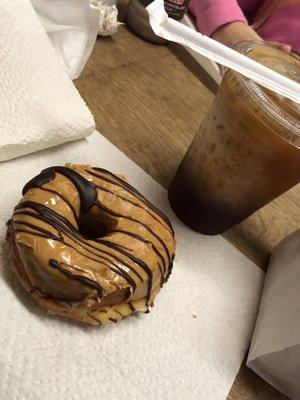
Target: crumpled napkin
x=108 y=17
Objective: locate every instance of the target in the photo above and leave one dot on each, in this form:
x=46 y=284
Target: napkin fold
x=40 y=107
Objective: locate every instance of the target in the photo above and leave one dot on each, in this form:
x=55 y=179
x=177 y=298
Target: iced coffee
x=246 y=153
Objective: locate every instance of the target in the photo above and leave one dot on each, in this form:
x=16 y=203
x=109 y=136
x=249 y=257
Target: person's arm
x=235 y=32
x=213 y=14
x=224 y=21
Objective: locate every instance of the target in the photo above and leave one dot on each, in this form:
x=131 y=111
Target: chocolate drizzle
x=85 y=280
x=110 y=212
x=63 y=198
x=45 y=295
x=131 y=306
x=132 y=190
x=86 y=189
x=119 y=259
x=143 y=265
x=138 y=237
x=49 y=216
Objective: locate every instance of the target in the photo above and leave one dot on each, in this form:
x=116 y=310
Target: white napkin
x=275 y=347
x=39 y=107
x=189 y=347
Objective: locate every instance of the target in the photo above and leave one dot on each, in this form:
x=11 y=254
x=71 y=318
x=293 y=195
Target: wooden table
x=149 y=101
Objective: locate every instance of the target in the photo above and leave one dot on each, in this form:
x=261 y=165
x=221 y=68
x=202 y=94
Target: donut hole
x=91 y=227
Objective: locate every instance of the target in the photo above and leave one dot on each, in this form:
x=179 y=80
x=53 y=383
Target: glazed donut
x=87 y=245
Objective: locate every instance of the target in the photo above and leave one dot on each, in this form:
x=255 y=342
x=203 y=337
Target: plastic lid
x=283 y=110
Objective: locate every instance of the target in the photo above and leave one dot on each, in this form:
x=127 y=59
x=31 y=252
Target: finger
x=282 y=46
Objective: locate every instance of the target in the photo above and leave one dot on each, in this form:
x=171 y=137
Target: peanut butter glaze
x=86 y=190
x=98 y=277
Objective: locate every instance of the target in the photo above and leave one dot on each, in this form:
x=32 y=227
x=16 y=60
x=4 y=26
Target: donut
x=87 y=245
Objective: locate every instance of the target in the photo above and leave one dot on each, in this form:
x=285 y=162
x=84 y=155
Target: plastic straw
x=174 y=31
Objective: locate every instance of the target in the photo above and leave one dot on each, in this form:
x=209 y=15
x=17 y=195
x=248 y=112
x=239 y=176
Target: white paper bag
x=72 y=26
x=275 y=347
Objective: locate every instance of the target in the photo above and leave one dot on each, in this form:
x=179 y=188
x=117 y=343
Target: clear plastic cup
x=246 y=152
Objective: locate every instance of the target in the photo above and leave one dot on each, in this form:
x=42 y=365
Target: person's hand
x=235 y=32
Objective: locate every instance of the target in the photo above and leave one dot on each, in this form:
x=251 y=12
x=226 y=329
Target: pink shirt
x=282 y=26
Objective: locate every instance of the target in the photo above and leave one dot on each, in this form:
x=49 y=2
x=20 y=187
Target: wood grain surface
x=149 y=101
